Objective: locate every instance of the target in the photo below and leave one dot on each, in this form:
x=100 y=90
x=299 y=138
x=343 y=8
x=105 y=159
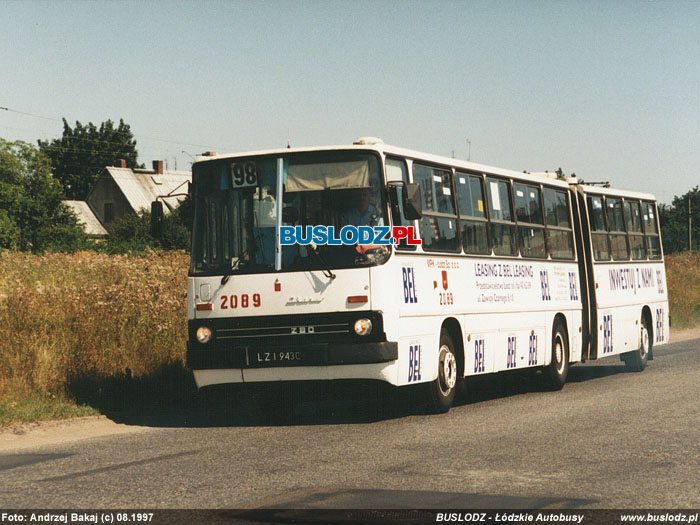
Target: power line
x=206 y=147
x=29 y=114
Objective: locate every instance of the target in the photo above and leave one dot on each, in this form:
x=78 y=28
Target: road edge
x=60 y=431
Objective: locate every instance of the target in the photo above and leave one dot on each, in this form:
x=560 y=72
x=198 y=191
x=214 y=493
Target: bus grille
x=315 y=329
x=293 y=330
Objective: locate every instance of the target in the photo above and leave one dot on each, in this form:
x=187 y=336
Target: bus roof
x=613 y=192
x=386 y=149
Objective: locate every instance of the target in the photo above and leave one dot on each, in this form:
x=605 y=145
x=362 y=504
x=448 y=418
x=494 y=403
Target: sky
x=607 y=90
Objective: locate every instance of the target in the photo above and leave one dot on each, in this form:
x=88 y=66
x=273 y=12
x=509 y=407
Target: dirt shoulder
x=685 y=335
x=33 y=435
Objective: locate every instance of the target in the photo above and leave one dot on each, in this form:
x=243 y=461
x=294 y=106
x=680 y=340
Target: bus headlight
x=363 y=327
x=203 y=334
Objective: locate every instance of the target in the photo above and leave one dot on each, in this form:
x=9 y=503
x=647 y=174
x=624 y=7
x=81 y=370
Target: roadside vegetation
x=89 y=333
x=683 y=280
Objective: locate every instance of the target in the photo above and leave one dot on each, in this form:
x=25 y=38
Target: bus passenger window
x=438 y=226
x=559 y=235
x=472 y=213
x=652 y=231
x=633 y=219
x=556 y=208
x=599 y=234
x=618 y=239
x=530 y=226
x=502 y=225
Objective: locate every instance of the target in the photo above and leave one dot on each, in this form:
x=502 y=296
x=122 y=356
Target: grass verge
x=23 y=405
x=683 y=283
x=91 y=331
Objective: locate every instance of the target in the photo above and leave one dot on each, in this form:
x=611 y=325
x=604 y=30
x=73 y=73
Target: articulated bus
x=512 y=271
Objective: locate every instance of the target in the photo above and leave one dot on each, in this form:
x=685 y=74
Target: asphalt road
x=609 y=439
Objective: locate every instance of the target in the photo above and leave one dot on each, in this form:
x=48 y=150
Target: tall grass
x=108 y=332
x=70 y=324
x=683 y=282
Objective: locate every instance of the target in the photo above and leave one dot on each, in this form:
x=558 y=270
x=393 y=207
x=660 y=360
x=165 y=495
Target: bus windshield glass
x=235 y=213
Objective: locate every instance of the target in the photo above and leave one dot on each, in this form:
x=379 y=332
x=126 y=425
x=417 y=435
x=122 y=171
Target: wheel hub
x=448 y=370
x=559 y=354
x=644 y=346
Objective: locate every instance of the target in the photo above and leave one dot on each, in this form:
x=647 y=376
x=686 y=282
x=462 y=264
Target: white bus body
x=505 y=278
x=627 y=290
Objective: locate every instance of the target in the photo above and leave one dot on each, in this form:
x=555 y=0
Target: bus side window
x=559 y=235
x=528 y=210
x=633 y=219
x=472 y=212
x=651 y=231
x=618 y=239
x=599 y=234
x=501 y=217
x=395 y=170
x=438 y=226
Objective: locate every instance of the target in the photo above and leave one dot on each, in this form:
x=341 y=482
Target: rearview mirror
x=412 y=206
x=156 y=219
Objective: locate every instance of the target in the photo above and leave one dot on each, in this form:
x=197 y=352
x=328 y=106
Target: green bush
x=132 y=233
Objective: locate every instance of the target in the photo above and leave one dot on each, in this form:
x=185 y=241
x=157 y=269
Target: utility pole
x=690 y=226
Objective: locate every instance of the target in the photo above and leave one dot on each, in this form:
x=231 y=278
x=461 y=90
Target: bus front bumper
x=323 y=354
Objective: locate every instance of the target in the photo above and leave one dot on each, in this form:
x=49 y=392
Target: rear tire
x=443 y=389
x=636 y=361
x=558 y=369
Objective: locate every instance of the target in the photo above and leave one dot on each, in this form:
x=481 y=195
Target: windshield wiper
x=326 y=270
x=235 y=267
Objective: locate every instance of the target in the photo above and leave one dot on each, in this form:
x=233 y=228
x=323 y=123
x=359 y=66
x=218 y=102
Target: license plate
x=271 y=358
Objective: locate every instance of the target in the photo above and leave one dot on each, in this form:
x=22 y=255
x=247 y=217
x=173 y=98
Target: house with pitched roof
x=93 y=226
x=119 y=191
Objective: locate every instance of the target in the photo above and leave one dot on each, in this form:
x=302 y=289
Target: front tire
x=636 y=361
x=558 y=369
x=443 y=389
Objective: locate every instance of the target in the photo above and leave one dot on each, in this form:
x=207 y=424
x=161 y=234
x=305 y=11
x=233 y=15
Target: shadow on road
x=505 y=384
x=169 y=398
x=367 y=499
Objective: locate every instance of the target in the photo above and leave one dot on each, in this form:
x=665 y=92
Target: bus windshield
x=236 y=211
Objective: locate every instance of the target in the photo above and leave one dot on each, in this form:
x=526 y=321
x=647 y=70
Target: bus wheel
x=558 y=369
x=442 y=390
x=636 y=361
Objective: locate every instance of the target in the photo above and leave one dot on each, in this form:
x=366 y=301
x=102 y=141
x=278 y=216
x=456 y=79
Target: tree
x=79 y=155
x=32 y=214
x=674 y=222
